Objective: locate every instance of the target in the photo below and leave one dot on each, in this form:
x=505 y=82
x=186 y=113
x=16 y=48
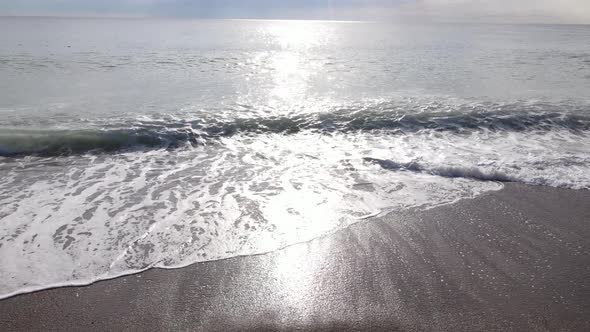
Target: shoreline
x=514 y=259
x=86 y=283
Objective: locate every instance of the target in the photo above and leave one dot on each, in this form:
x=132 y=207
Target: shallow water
x=127 y=144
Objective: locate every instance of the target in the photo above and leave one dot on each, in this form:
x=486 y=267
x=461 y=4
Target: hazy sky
x=550 y=11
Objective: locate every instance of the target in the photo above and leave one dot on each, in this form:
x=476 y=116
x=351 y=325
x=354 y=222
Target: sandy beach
x=513 y=260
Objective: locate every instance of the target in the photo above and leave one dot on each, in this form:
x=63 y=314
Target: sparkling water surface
x=138 y=143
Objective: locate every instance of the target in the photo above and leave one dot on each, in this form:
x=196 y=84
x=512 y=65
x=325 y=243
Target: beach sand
x=517 y=259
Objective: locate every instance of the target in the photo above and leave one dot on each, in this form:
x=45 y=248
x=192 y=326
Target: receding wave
x=523 y=174
x=447 y=171
x=159 y=134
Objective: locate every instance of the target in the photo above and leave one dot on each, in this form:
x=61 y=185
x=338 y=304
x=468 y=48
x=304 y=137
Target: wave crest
x=383 y=118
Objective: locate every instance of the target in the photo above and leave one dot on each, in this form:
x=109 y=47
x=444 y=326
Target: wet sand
x=517 y=259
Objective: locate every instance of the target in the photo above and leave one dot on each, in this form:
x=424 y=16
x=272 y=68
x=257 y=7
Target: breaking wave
x=133 y=135
x=116 y=196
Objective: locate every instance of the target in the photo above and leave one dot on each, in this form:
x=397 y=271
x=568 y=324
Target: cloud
x=558 y=11
x=551 y=11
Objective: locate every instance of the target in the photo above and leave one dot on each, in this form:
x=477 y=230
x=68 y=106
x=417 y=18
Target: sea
x=129 y=144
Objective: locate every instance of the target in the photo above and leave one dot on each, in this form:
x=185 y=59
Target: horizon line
x=405 y=20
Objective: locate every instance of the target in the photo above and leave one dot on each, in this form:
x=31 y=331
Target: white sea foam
x=76 y=219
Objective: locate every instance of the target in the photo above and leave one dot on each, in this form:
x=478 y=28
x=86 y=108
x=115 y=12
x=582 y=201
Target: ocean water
x=139 y=143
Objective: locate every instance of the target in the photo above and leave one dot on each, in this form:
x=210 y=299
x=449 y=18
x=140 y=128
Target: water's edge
x=84 y=283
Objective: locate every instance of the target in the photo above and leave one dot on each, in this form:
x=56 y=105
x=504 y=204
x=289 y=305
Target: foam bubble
x=77 y=219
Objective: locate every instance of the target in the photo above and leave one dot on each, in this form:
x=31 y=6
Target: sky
x=504 y=11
